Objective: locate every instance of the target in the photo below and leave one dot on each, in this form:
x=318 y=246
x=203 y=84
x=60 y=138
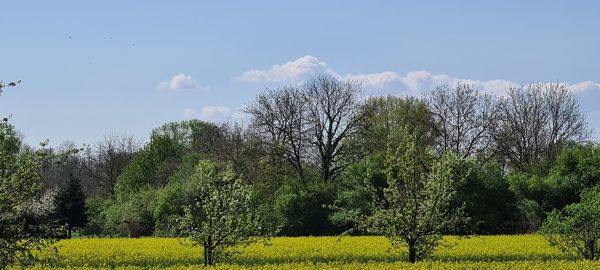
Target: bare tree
x=463 y=118
x=238 y=147
x=333 y=114
x=537 y=121
x=279 y=120
x=309 y=123
x=108 y=158
x=69 y=162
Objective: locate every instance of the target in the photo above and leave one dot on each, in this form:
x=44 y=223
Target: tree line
x=322 y=159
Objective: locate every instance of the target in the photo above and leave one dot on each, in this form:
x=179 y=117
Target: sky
x=94 y=68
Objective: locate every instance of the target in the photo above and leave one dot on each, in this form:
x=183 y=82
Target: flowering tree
x=415 y=207
x=220 y=216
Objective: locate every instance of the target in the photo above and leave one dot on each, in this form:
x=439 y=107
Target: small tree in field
x=576 y=229
x=414 y=208
x=220 y=216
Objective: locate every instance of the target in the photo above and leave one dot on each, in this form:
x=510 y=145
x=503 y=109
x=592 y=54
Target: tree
x=56 y=174
x=132 y=209
x=279 y=118
x=70 y=205
x=193 y=135
x=579 y=162
x=575 y=169
x=576 y=229
x=151 y=166
x=536 y=122
x=353 y=196
x=220 y=216
x=238 y=147
x=106 y=160
x=299 y=208
x=333 y=114
x=382 y=115
x=414 y=208
x=24 y=208
x=463 y=119
x=485 y=194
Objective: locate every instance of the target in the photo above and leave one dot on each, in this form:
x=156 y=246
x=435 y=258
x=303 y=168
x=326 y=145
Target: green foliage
x=485 y=195
x=354 y=198
x=416 y=206
x=553 y=191
x=97 y=216
x=384 y=114
x=575 y=169
x=134 y=207
x=151 y=167
x=70 y=205
x=173 y=198
x=24 y=209
x=194 y=134
x=543 y=190
x=531 y=214
x=581 y=162
x=300 y=209
x=576 y=229
x=220 y=216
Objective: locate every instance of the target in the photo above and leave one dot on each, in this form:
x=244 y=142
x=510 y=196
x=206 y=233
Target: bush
x=300 y=208
x=136 y=207
x=576 y=229
x=486 y=197
x=96 y=214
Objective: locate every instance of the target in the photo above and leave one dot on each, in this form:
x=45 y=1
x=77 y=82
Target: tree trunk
x=590 y=246
x=325 y=170
x=69 y=229
x=412 y=253
x=209 y=255
x=205 y=257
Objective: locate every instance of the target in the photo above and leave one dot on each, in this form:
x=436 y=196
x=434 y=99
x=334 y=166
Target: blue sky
x=128 y=66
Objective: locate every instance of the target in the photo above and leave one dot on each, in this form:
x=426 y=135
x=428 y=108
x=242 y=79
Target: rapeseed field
x=481 y=252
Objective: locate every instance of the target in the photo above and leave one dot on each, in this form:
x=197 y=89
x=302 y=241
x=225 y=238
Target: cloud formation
x=213 y=113
x=290 y=72
x=584 y=86
x=387 y=82
x=179 y=82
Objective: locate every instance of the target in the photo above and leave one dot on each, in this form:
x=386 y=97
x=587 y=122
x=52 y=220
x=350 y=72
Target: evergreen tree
x=70 y=205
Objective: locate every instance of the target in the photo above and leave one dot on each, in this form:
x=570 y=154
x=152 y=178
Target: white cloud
x=213 y=113
x=584 y=86
x=179 y=82
x=417 y=82
x=387 y=82
x=290 y=72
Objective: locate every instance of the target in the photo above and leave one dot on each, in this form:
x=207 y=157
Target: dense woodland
x=311 y=146
x=316 y=158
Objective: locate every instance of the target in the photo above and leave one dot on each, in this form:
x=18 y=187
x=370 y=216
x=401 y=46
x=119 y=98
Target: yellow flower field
x=482 y=252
